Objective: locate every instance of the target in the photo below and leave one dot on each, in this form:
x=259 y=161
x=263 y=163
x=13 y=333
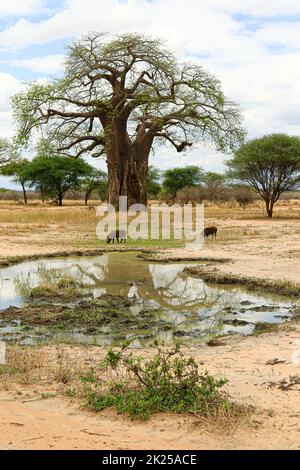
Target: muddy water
x=181 y=307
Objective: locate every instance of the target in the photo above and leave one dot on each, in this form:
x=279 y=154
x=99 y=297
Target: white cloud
x=181 y=19
x=251 y=70
x=21 y=7
x=9 y=86
x=285 y=34
x=49 y=64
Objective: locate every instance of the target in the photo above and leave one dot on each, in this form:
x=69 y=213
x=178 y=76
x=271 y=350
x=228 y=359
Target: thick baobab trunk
x=127 y=164
x=128 y=179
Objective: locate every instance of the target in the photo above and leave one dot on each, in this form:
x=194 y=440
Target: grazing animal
x=119 y=235
x=210 y=231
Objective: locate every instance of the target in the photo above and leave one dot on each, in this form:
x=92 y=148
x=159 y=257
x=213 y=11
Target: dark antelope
x=210 y=231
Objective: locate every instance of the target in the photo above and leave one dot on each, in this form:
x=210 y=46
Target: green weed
x=166 y=383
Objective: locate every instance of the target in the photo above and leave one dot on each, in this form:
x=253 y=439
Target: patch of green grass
x=155 y=243
x=131 y=244
x=46 y=395
x=90 y=377
x=166 y=383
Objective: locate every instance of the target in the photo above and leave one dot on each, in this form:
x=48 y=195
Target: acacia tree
x=118 y=97
x=270 y=165
x=57 y=175
x=214 y=182
x=17 y=170
x=93 y=181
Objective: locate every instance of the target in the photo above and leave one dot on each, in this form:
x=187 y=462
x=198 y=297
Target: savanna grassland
x=255 y=245
x=46 y=383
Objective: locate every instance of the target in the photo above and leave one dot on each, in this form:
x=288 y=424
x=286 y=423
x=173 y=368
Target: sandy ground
x=265 y=249
x=258 y=247
x=29 y=422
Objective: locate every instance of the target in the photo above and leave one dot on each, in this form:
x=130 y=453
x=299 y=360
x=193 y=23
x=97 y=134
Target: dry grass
x=76 y=214
x=285 y=209
x=25 y=364
x=34 y=365
x=64 y=370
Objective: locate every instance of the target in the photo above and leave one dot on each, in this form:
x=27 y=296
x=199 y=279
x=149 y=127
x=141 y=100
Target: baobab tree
x=117 y=98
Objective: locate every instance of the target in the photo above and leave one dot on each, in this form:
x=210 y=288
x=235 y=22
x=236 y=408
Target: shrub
x=166 y=383
x=244 y=196
x=191 y=194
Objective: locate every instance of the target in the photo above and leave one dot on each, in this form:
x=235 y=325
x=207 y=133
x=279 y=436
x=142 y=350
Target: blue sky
x=252 y=46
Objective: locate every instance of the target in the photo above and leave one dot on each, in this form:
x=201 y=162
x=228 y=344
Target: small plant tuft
x=168 y=382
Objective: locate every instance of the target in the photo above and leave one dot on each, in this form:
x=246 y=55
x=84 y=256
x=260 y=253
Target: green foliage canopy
x=95 y=180
x=178 y=178
x=17 y=169
x=57 y=174
x=132 y=89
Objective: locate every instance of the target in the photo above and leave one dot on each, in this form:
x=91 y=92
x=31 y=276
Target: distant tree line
x=194 y=184
x=263 y=168
x=57 y=177
x=54 y=176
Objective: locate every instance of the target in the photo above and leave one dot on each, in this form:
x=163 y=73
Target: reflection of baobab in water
x=164 y=285
x=162 y=291
x=165 y=289
x=161 y=297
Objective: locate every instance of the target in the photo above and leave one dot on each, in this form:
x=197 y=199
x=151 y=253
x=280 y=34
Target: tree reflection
x=170 y=302
x=164 y=285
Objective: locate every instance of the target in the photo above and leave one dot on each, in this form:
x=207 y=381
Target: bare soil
x=28 y=420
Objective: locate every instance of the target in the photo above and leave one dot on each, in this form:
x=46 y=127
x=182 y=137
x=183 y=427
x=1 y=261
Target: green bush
x=166 y=383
